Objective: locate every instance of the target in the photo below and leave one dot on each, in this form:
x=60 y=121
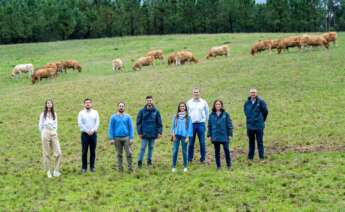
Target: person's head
x=49 y=107
x=253 y=93
x=87 y=103
x=121 y=107
x=196 y=93
x=149 y=101
x=218 y=106
x=182 y=107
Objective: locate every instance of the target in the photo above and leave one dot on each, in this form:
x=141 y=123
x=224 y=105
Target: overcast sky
x=260 y=1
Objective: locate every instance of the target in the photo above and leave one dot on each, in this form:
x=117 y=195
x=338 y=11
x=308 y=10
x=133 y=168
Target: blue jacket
x=219 y=127
x=149 y=123
x=120 y=126
x=256 y=113
x=179 y=127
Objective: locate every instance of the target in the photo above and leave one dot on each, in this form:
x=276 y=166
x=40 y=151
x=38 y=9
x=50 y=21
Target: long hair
x=214 y=105
x=186 y=110
x=46 y=109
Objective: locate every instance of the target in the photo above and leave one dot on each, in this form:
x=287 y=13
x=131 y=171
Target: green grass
x=303 y=89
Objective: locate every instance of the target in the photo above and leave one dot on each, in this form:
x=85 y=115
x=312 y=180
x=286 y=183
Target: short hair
x=196 y=89
x=253 y=90
x=121 y=102
x=149 y=97
x=87 y=99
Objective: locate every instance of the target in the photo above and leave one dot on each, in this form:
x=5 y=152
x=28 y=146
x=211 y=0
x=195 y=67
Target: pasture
x=304 y=135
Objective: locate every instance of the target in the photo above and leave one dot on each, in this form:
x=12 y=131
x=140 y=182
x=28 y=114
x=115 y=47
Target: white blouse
x=47 y=123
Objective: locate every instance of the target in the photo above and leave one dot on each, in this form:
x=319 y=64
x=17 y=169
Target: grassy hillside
x=303 y=89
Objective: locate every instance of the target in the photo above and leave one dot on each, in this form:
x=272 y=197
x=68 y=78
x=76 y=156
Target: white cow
x=22 y=68
x=117 y=64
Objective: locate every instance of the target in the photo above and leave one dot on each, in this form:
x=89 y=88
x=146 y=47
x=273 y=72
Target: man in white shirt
x=88 y=121
x=198 y=111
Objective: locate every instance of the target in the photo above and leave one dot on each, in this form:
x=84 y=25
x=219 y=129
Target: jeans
x=86 y=142
x=258 y=134
x=198 y=129
x=150 y=142
x=217 y=146
x=176 y=145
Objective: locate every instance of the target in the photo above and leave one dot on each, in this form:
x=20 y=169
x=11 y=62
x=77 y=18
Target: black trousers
x=257 y=134
x=86 y=142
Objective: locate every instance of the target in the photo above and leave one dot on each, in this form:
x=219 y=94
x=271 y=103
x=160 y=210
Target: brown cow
x=286 y=43
x=143 y=61
x=330 y=37
x=72 y=64
x=183 y=57
x=157 y=54
x=218 y=51
x=261 y=45
x=43 y=73
x=307 y=40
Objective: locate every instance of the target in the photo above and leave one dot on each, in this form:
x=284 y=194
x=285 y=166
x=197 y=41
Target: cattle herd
x=52 y=69
x=295 y=41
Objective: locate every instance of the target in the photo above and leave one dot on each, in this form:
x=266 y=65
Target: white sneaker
x=173 y=169
x=49 y=174
x=185 y=170
x=56 y=174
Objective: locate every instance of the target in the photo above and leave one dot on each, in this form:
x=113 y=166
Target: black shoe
x=219 y=168
x=140 y=164
x=92 y=169
x=149 y=162
x=83 y=171
x=229 y=168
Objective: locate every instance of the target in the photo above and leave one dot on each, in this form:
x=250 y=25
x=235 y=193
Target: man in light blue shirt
x=198 y=111
x=121 y=134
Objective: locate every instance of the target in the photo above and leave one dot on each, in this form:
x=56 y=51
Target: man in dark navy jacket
x=149 y=127
x=256 y=112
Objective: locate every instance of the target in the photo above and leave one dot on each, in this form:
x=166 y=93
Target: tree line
x=49 y=20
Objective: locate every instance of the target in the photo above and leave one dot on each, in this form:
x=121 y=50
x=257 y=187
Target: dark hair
x=87 y=99
x=178 y=110
x=149 y=97
x=214 y=105
x=46 y=109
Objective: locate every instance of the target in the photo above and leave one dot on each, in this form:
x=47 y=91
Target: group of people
x=191 y=120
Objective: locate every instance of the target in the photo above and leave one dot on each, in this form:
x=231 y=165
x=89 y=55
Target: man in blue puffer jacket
x=149 y=127
x=256 y=112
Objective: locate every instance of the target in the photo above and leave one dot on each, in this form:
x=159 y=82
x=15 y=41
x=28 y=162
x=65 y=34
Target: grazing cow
x=71 y=64
x=117 y=64
x=261 y=45
x=143 y=61
x=22 y=68
x=330 y=37
x=157 y=54
x=286 y=43
x=218 y=51
x=307 y=40
x=43 y=73
x=172 y=58
x=183 y=57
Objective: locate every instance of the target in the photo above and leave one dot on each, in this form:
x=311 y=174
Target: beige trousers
x=50 y=141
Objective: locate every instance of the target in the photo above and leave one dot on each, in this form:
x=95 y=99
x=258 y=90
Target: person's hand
x=130 y=142
x=159 y=135
x=90 y=133
x=140 y=136
x=187 y=139
x=209 y=138
x=112 y=141
x=173 y=138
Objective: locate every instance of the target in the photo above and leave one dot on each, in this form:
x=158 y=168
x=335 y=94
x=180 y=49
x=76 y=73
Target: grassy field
x=303 y=89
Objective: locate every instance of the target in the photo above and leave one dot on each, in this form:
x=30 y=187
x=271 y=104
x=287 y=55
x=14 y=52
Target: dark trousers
x=257 y=134
x=217 y=146
x=86 y=142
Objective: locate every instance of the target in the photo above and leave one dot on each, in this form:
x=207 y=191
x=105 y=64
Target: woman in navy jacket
x=220 y=131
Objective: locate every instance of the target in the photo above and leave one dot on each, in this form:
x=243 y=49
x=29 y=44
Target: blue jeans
x=184 y=150
x=198 y=129
x=258 y=134
x=150 y=142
